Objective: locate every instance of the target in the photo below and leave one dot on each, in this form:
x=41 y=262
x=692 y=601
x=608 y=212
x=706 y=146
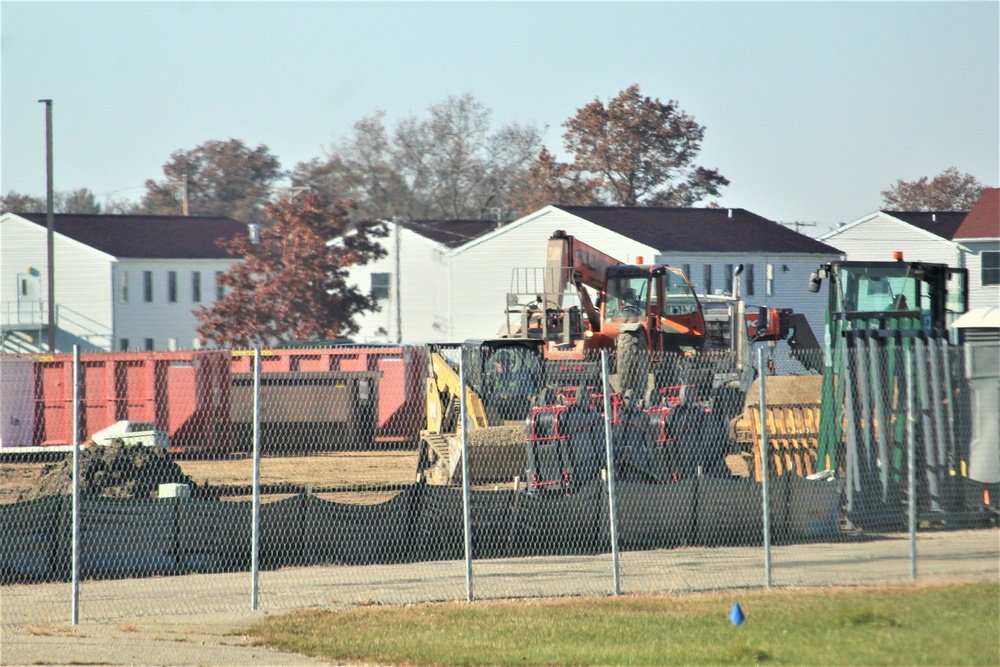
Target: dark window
x=991 y=268
x=220 y=291
x=686 y=268
x=172 y=286
x=708 y=279
x=123 y=287
x=196 y=286
x=147 y=286
x=149 y=344
x=749 y=272
x=123 y=344
x=380 y=286
x=729 y=277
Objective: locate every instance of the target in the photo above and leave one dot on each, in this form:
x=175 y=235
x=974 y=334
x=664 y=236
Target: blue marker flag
x=736 y=615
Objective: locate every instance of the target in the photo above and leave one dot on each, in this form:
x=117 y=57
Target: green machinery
x=887 y=344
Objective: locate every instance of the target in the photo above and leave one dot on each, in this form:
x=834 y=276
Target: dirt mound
x=116 y=470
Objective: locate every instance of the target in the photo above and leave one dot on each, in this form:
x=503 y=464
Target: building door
x=29 y=298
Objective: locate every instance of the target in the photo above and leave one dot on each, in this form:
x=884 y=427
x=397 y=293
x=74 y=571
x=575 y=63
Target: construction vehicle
x=887 y=321
x=502 y=379
x=649 y=315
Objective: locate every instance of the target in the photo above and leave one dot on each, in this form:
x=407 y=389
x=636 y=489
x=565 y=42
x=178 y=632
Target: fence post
x=609 y=449
x=76 y=486
x=911 y=456
x=765 y=455
x=466 y=509
x=255 y=526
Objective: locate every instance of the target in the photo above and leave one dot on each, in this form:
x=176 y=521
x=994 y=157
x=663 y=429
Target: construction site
x=604 y=375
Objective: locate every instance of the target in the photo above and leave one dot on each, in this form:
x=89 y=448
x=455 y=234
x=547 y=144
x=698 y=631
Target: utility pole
x=50 y=224
x=398 y=285
x=184 y=192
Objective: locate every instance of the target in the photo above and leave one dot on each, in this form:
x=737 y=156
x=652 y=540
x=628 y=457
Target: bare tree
x=448 y=164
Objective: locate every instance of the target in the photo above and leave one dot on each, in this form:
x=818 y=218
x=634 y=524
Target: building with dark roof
x=969 y=240
x=121 y=281
x=451 y=280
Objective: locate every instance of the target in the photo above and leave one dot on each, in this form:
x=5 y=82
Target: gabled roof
x=701 y=230
x=939 y=223
x=450 y=233
x=983 y=221
x=146 y=236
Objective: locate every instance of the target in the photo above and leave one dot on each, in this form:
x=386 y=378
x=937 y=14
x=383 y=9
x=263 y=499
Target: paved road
x=196 y=620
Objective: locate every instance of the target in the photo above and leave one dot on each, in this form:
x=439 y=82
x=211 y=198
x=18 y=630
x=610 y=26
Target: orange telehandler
x=645 y=313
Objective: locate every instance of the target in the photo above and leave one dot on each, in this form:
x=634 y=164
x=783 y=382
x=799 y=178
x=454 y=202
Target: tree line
x=453 y=162
x=450 y=163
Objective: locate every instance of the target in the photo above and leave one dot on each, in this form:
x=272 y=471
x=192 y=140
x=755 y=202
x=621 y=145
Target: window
x=729 y=277
x=991 y=268
x=172 y=286
x=220 y=291
x=123 y=344
x=770 y=280
x=172 y=344
x=196 y=286
x=147 y=286
x=149 y=344
x=123 y=287
x=749 y=272
x=380 y=286
x=708 y=279
x=686 y=268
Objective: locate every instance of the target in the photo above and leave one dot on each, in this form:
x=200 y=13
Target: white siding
x=424 y=292
x=161 y=320
x=82 y=286
x=875 y=239
x=482 y=269
x=980 y=296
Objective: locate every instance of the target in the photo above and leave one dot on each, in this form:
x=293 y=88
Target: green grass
x=918 y=625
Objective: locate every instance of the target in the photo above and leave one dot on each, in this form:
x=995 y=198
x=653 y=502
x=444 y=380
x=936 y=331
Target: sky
x=810 y=109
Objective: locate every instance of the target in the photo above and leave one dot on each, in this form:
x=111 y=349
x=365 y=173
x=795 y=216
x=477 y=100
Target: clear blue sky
x=811 y=109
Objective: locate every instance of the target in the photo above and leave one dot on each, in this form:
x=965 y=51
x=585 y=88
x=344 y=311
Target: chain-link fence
x=219 y=480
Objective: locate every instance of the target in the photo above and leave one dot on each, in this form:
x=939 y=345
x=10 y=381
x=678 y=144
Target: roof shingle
x=146 y=236
x=983 y=221
x=702 y=230
x=939 y=223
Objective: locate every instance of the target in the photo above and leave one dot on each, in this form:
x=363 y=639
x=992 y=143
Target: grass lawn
x=922 y=624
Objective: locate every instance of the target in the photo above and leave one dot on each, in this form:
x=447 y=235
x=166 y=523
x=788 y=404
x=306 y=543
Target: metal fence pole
x=255 y=528
x=911 y=460
x=466 y=509
x=764 y=473
x=609 y=447
x=76 y=485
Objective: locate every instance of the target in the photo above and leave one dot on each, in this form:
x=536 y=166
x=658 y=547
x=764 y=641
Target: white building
x=979 y=236
x=122 y=282
x=454 y=277
x=959 y=239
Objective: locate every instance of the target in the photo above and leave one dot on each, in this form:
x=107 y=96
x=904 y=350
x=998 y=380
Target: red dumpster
x=185 y=394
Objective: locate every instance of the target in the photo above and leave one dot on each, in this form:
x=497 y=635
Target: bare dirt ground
x=350 y=477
